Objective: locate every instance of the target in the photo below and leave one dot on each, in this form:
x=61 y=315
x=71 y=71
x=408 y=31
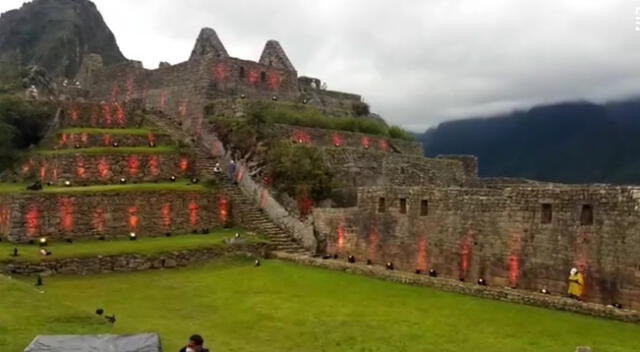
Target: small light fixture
x=43 y=242
x=351 y=259
x=15 y=252
x=132 y=236
x=418 y=271
x=237 y=235
x=243 y=96
x=152 y=144
x=45 y=252
x=617 y=305
x=123 y=180
x=482 y=282
x=77 y=146
x=49 y=183
x=274 y=98
x=195 y=180
x=172 y=178
x=369 y=262
x=257 y=262
x=305 y=101
x=115 y=144
x=389 y=266
x=544 y=291
x=433 y=273
x=67 y=183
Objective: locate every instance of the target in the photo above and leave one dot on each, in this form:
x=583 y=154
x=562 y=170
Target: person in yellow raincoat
x=576 y=284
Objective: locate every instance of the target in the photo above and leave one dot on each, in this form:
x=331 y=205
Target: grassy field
x=91 y=248
x=109 y=150
x=180 y=185
x=284 y=307
x=113 y=131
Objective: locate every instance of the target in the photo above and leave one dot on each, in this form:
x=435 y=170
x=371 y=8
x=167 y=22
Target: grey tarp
x=96 y=343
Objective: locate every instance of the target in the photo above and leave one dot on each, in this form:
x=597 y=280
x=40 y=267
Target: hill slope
x=571 y=142
x=56 y=34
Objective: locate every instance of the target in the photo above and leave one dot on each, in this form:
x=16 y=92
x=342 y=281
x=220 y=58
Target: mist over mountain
x=56 y=35
x=577 y=142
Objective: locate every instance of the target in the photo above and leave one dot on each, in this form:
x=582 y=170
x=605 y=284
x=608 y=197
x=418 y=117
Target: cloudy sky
x=417 y=62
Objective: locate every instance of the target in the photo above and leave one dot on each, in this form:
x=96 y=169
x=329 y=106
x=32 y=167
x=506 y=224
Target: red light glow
x=107 y=140
x=129 y=89
x=253 y=77
x=81 y=170
x=5 y=219
x=75 y=115
x=151 y=138
x=66 y=213
x=263 y=198
x=183 y=109
x=223 y=209
x=63 y=139
x=154 y=165
x=28 y=166
x=301 y=137
x=365 y=142
x=99 y=220
x=32 y=220
x=166 y=216
x=103 y=168
x=121 y=118
x=220 y=72
x=43 y=173
x=194 y=213
x=514 y=270
x=274 y=80
x=421 y=261
x=107 y=115
x=384 y=145
x=465 y=255
x=133 y=218
x=337 y=139
x=340 y=237
x=134 y=165
x=183 y=164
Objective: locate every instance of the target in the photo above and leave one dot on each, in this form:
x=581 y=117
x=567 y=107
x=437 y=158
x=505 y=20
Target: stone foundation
x=129 y=262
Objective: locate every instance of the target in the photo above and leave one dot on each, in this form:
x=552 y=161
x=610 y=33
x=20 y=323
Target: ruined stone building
x=418 y=213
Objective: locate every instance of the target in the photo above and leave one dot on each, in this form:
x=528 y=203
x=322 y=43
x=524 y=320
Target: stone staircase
x=256 y=220
x=246 y=208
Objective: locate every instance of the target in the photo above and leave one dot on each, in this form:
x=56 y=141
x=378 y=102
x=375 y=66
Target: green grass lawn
x=285 y=307
x=143 y=245
x=180 y=185
x=112 y=131
x=165 y=149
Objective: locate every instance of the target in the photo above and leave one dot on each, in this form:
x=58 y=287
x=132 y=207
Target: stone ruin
x=399 y=207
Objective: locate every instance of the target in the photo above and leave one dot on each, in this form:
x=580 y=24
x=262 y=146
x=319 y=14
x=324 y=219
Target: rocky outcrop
x=208 y=45
x=56 y=35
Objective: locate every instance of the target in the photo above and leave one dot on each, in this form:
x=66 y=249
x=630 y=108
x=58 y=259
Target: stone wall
x=362 y=167
x=343 y=139
x=82 y=169
x=523 y=236
x=111 y=214
x=89 y=140
x=183 y=90
x=128 y=262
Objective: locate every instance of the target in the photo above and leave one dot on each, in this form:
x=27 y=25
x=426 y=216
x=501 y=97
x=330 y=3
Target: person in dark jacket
x=196 y=344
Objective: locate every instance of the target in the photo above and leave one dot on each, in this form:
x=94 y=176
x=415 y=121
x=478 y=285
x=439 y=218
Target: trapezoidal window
x=586 y=215
x=547 y=214
x=263 y=76
x=381 y=205
x=424 y=207
x=403 y=205
x=241 y=73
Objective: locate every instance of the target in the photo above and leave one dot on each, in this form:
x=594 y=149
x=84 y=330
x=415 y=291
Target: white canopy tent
x=96 y=343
